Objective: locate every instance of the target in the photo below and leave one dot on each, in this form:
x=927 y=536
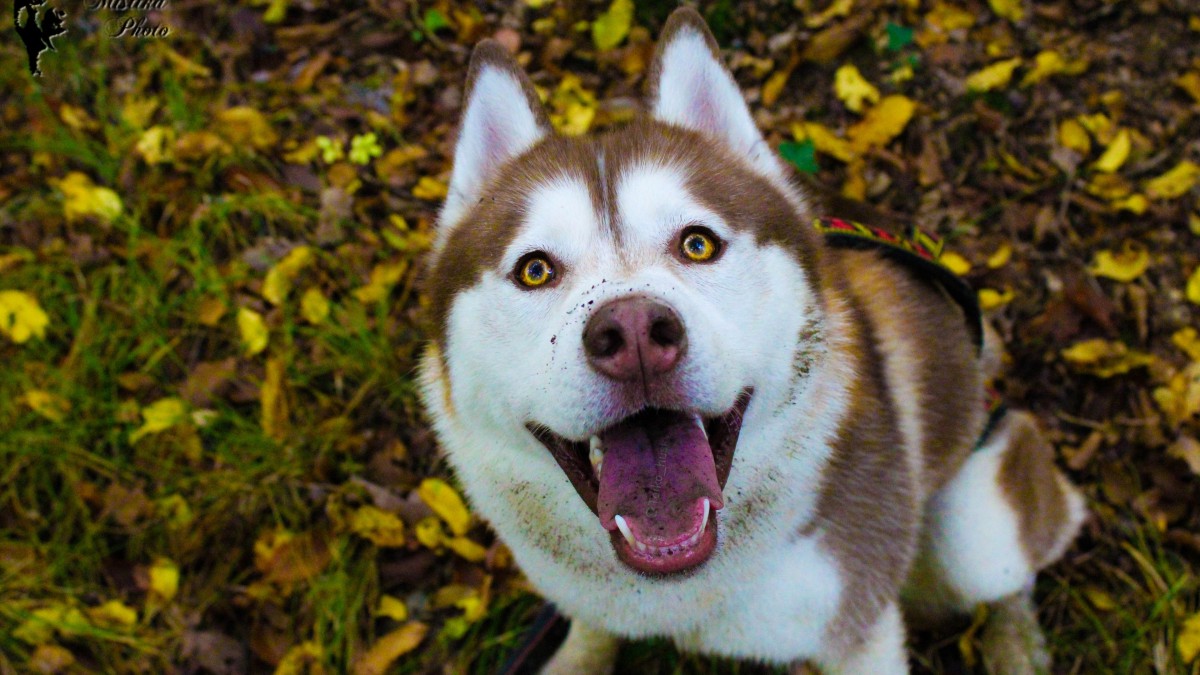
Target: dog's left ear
x=691 y=87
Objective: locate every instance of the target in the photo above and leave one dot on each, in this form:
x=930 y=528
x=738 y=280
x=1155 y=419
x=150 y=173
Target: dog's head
x=613 y=313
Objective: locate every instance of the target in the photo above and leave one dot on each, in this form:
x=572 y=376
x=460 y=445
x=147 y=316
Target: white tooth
x=624 y=528
x=704 y=522
x=700 y=423
x=596 y=454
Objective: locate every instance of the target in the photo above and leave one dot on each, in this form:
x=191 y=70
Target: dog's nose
x=634 y=337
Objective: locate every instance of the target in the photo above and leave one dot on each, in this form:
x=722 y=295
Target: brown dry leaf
x=285 y=557
x=390 y=647
x=274 y=417
x=1187 y=449
x=50 y=659
x=1103 y=358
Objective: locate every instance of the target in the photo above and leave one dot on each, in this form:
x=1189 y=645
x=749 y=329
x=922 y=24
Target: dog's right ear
x=503 y=117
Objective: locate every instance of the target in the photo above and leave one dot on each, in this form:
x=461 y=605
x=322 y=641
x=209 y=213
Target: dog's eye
x=534 y=270
x=698 y=244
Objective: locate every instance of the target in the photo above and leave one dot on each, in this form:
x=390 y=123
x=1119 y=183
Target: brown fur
x=1033 y=488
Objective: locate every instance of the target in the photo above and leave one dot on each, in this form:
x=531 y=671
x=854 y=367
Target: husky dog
x=689 y=416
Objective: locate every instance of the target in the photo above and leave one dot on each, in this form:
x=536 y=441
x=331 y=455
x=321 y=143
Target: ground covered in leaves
x=211 y=454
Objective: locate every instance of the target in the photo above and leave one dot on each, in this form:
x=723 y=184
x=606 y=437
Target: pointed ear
x=503 y=117
x=691 y=87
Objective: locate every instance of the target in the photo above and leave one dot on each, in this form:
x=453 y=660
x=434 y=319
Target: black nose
x=634 y=337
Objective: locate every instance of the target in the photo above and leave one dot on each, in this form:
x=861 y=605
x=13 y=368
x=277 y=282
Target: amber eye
x=535 y=270
x=698 y=245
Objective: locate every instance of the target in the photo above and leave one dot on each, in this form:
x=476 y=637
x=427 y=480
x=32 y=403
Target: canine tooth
x=596 y=454
x=624 y=528
x=700 y=423
x=704 y=521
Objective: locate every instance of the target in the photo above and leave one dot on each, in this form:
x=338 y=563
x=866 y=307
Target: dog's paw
x=1012 y=640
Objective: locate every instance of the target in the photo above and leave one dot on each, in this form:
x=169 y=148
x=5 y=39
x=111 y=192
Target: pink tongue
x=657 y=467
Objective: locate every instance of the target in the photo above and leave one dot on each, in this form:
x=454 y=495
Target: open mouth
x=655 y=480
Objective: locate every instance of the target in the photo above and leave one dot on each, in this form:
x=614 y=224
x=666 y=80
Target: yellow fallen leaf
x=113 y=613
x=947 y=17
x=137 y=111
x=429 y=188
x=1100 y=126
x=990 y=298
x=164 y=579
x=383 y=277
x=1190 y=82
x=44 y=622
x=305 y=658
x=1187 y=339
x=774 y=85
x=835 y=9
x=1188 y=641
x=51 y=406
x=1192 y=290
x=21 y=317
x=385 y=529
x=430 y=533
x=245 y=126
x=155 y=143
x=1116 y=153
x=1103 y=358
x=1008 y=9
x=50 y=659
x=995 y=76
x=82 y=198
x=474 y=607
x=445 y=502
x=852 y=88
x=1100 y=599
x=1001 y=257
x=957 y=264
x=160 y=416
x=253 y=330
x=274 y=417
x=380 y=657
x=881 y=123
x=824 y=140
x=469 y=550
x=174 y=509
x=313 y=306
x=1135 y=203
x=278 y=282
x=393 y=608
x=572 y=107
x=1194 y=223
x=1176 y=182
x=1179 y=398
x=1124 y=265
x=209 y=310
x=1049 y=63
x=611 y=27
x=200 y=145
x=1071 y=134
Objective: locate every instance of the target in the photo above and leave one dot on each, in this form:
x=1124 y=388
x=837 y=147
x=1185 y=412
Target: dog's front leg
x=882 y=652
x=587 y=651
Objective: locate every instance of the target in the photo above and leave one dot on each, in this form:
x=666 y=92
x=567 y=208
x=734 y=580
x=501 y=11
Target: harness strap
x=916 y=250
